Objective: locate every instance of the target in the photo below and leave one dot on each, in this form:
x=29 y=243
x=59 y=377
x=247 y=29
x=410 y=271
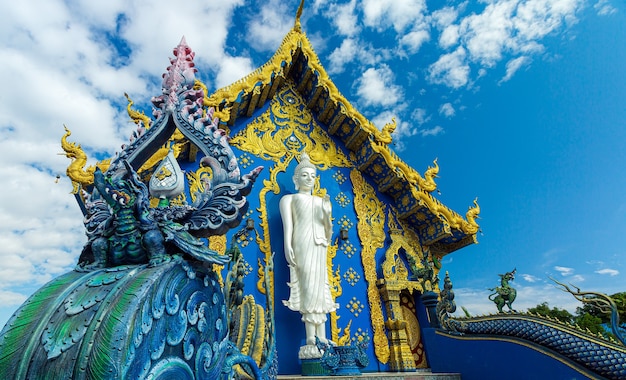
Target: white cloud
x=400 y=14
x=420 y=116
x=610 y=272
x=376 y=87
x=512 y=66
x=233 y=69
x=449 y=36
x=345 y=18
x=342 y=55
x=450 y=69
x=444 y=17
x=484 y=35
x=604 y=8
x=502 y=28
x=435 y=131
x=356 y=54
x=413 y=40
x=447 y=110
x=565 y=271
x=270 y=24
x=530 y=277
x=577 y=278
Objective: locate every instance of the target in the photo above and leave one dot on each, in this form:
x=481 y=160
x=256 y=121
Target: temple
x=184 y=275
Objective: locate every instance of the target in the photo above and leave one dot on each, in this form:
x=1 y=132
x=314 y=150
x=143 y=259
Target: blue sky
x=521 y=102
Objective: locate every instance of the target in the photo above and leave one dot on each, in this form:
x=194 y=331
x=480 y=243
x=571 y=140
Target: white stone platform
x=418 y=375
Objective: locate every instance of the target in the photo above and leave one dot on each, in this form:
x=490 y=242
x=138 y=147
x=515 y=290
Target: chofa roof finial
x=298 y=14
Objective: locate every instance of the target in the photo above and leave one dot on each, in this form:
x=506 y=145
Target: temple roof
x=438 y=226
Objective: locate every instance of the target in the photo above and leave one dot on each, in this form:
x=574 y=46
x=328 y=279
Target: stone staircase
x=420 y=374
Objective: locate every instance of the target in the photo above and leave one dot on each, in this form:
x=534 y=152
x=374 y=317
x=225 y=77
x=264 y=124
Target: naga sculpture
x=504 y=294
x=144 y=301
x=124 y=229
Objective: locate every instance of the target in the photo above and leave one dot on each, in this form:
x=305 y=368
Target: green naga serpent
x=504 y=294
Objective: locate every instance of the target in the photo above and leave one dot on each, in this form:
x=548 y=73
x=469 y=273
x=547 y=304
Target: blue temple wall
x=353 y=300
x=480 y=358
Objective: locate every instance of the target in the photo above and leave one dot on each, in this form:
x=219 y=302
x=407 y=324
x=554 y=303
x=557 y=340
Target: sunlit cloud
x=420 y=116
x=377 y=87
x=450 y=69
x=399 y=14
x=604 y=8
x=268 y=28
x=447 y=110
x=607 y=271
x=437 y=130
x=512 y=66
x=344 y=18
x=564 y=271
x=530 y=277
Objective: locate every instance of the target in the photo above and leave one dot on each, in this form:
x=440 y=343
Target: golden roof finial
x=297 y=25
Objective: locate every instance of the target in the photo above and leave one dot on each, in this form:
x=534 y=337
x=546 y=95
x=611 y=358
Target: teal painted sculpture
x=504 y=294
x=343 y=360
x=143 y=301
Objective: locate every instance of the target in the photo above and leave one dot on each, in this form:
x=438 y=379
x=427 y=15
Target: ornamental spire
x=297 y=25
x=180 y=76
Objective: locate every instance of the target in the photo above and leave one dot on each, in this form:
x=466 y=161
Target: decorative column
x=400 y=356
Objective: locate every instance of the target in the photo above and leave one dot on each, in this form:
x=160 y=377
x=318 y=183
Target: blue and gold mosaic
x=342 y=199
x=355 y=306
x=347 y=248
x=351 y=276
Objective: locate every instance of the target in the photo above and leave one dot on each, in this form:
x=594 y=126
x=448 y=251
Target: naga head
x=120 y=189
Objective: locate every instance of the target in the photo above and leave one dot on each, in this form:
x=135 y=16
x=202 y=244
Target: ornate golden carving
x=279 y=135
x=218 y=244
x=371 y=215
x=334 y=279
x=384 y=136
x=196 y=181
x=287 y=128
x=138 y=117
x=276 y=68
x=413 y=177
x=472 y=215
x=78 y=175
x=453 y=219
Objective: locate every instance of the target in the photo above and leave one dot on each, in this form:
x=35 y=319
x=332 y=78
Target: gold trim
x=370 y=213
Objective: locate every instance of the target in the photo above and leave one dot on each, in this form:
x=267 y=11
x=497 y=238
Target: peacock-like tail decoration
x=143 y=301
x=601 y=302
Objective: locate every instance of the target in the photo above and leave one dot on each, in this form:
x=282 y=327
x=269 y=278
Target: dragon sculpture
x=504 y=294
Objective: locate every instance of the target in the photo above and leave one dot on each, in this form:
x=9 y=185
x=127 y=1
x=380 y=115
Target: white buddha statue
x=307 y=229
